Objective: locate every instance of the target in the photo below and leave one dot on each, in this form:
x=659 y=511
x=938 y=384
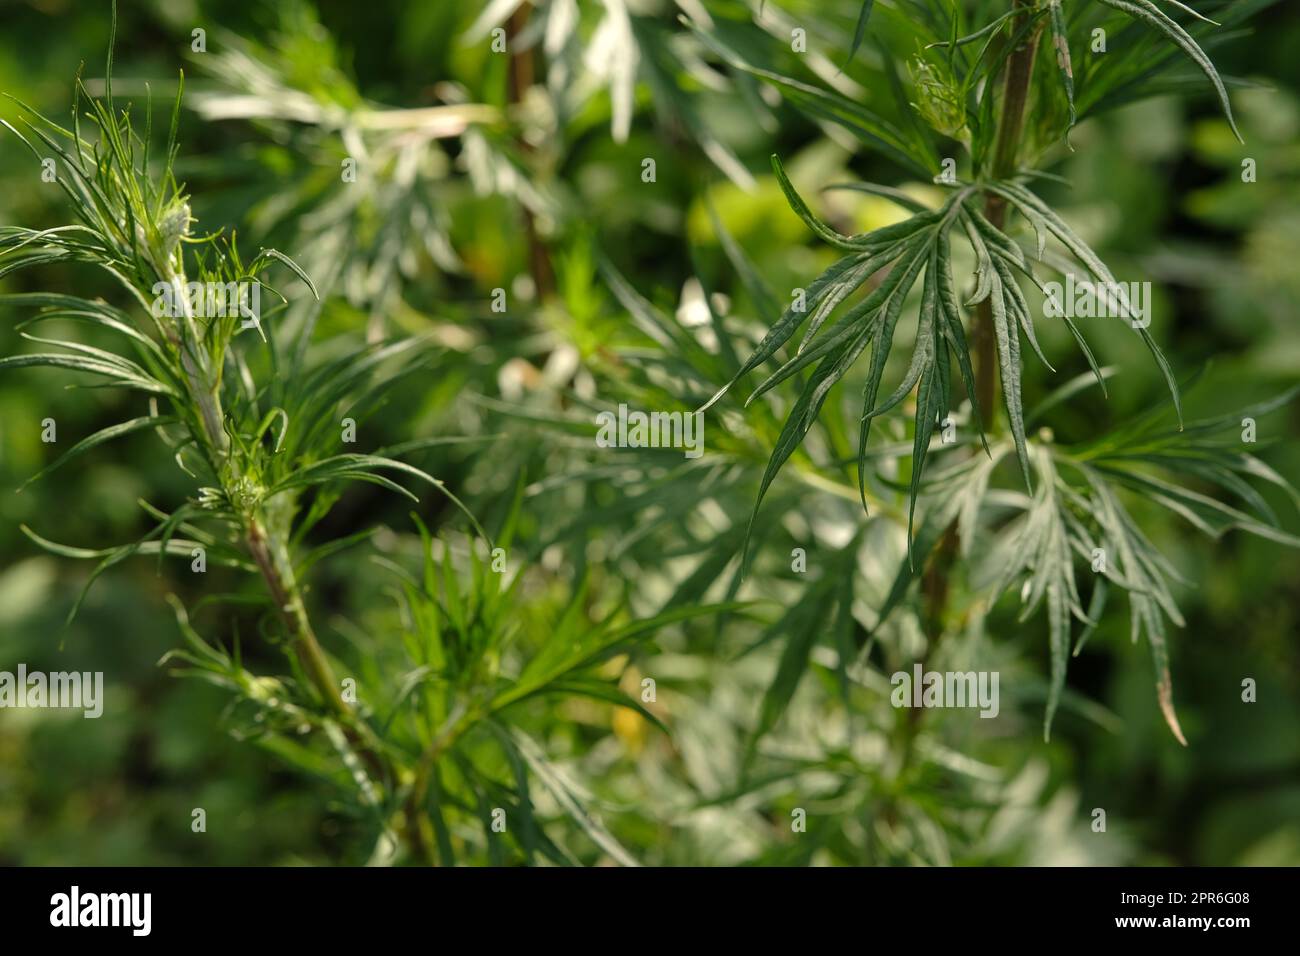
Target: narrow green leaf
x=1007 y=335
x=789 y=322
x=894 y=290
x=1061 y=45
x=801 y=625
x=98 y=438
x=1058 y=623
x=886 y=192
x=1022 y=198
x=947 y=300
x=554 y=781
x=803 y=414
x=978 y=34
x=79 y=363
x=819 y=228
x=1153 y=16
x=928 y=408
x=859 y=31
x=290 y=264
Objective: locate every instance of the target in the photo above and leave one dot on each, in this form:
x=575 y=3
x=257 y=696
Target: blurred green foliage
x=1155 y=187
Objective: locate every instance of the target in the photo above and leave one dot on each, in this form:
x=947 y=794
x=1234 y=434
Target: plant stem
x=277 y=573
x=935 y=585
x=1011 y=127
x=417 y=822
x=1015 y=99
x=271 y=556
x=293 y=614
x=520 y=79
x=202 y=385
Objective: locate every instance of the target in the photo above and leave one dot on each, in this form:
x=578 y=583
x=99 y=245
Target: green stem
x=935 y=584
x=272 y=559
x=1015 y=98
x=1017 y=82
x=417 y=822
x=1011 y=127
x=202 y=384
x=287 y=598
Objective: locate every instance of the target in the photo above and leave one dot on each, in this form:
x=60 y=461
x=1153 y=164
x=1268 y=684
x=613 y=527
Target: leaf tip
x=1165 y=694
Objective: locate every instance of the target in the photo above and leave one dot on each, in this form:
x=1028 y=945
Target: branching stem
x=269 y=553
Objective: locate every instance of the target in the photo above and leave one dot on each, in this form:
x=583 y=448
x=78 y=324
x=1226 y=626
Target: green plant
x=485 y=682
x=257 y=430
x=982 y=104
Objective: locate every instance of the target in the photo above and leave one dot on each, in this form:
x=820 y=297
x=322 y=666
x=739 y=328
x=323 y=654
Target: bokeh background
x=1156 y=187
